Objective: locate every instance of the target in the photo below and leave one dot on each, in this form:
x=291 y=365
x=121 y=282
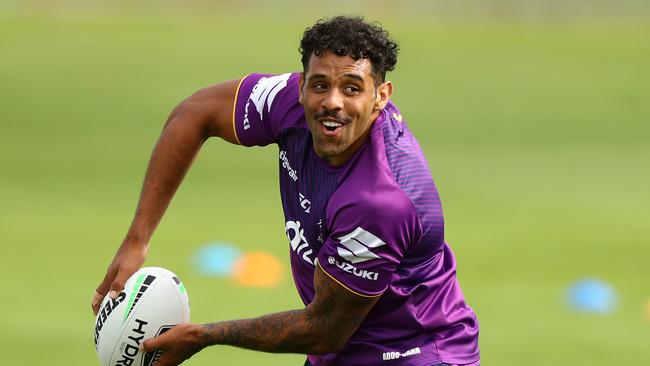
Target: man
x=362 y=213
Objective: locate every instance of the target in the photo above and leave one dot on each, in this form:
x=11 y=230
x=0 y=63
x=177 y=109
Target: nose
x=333 y=100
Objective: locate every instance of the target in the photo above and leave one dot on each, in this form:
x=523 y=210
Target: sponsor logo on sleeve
x=355 y=246
x=349 y=268
x=263 y=94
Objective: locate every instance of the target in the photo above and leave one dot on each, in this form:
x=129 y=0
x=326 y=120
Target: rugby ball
x=152 y=302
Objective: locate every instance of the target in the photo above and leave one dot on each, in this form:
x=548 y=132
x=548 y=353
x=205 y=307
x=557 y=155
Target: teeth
x=332 y=124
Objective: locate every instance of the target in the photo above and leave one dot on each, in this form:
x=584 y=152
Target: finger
x=150 y=344
x=96 y=301
x=118 y=283
x=160 y=342
x=103 y=287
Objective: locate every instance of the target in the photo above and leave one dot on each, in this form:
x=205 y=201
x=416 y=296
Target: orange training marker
x=258 y=269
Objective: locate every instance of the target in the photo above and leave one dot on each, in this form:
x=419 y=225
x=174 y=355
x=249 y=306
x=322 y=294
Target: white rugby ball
x=153 y=301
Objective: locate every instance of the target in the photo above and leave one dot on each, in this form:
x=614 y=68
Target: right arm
x=205 y=114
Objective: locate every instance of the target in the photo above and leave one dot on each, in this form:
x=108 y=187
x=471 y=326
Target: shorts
x=477 y=363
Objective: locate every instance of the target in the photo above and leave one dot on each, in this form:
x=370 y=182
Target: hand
x=127 y=260
x=177 y=344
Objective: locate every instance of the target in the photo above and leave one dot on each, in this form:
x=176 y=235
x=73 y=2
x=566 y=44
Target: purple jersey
x=374 y=225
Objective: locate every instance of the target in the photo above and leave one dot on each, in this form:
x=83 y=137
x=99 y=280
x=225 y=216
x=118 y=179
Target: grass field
x=537 y=133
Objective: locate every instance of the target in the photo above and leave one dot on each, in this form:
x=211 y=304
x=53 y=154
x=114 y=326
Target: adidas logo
x=355 y=246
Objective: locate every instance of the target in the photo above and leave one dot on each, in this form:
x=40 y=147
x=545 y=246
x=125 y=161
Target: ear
x=384 y=91
x=301 y=84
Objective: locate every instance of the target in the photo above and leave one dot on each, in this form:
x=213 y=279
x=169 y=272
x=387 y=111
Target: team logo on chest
x=321 y=235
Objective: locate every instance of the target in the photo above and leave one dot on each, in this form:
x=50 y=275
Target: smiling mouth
x=331 y=125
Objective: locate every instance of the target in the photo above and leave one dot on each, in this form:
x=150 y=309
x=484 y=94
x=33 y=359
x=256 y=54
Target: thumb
x=149 y=345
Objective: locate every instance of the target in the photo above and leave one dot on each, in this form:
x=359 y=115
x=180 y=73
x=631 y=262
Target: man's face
x=341 y=102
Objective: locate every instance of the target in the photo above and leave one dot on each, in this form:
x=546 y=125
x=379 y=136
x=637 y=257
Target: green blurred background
x=534 y=116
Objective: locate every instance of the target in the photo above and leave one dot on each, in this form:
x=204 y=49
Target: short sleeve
x=367 y=243
x=265 y=105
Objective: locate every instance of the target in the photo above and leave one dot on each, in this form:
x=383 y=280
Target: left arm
x=324 y=326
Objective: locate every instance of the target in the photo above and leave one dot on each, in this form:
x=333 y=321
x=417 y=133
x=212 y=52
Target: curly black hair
x=354 y=37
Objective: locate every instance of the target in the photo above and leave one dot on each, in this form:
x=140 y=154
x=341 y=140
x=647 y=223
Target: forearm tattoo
x=281 y=332
x=323 y=326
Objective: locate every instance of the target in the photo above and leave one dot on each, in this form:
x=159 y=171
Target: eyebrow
x=349 y=75
x=354 y=76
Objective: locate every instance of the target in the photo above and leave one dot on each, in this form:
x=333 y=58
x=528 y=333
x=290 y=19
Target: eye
x=319 y=87
x=352 y=89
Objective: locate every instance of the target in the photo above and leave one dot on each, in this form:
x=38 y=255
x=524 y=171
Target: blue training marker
x=216 y=259
x=592 y=296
